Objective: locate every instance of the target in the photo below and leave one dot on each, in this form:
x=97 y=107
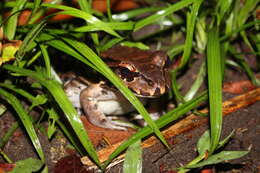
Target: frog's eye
x=127 y=74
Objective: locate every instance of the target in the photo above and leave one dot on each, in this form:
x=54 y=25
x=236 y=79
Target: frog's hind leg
x=89 y=102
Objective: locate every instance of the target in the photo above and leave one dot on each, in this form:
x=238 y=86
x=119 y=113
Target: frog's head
x=144 y=72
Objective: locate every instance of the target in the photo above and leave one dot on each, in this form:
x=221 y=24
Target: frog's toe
x=115 y=125
x=111 y=124
x=119 y=123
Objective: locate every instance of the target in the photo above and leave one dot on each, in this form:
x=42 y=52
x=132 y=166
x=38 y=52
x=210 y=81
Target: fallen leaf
x=238 y=87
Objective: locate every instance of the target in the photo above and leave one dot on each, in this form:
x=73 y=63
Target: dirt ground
x=156 y=159
x=245 y=122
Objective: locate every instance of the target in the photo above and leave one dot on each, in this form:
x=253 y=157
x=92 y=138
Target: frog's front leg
x=97 y=102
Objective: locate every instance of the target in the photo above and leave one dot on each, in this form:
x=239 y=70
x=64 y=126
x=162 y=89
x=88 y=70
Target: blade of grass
x=62 y=46
x=222 y=6
x=26 y=120
x=83 y=15
x=109 y=13
x=61 y=98
x=33 y=33
x=84 y=5
x=110 y=43
x=215 y=87
x=245 y=66
x=11 y=25
x=36 y=6
x=175 y=88
x=191 y=21
x=46 y=59
x=36 y=101
x=114 y=25
x=132 y=13
x=239 y=29
x=243 y=15
x=162 y=13
x=196 y=85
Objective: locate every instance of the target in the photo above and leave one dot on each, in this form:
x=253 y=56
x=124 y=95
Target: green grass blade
x=175 y=88
x=245 y=12
x=162 y=13
x=61 y=98
x=26 y=120
x=223 y=6
x=108 y=73
x=110 y=44
x=132 y=13
x=198 y=82
x=84 y=5
x=245 y=66
x=36 y=6
x=11 y=25
x=191 y=21
x=46 y=59
x=62 y=46
x=38 y=100
x=121 y=26
x=109 y=13
x=33 y=33
x=83 y=15
x=239 y=29
x=215 y=87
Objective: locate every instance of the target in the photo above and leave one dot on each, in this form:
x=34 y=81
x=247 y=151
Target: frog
x=144 y=72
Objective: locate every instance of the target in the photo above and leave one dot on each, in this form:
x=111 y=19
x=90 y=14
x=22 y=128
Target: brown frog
x=144 y=72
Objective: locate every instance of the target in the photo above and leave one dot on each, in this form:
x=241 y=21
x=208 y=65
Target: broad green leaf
x=220 y=157
x=27 y=166
x=133 y=158
x=203 y=144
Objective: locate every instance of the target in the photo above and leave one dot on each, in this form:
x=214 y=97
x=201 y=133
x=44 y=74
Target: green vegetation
x=207 y=29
